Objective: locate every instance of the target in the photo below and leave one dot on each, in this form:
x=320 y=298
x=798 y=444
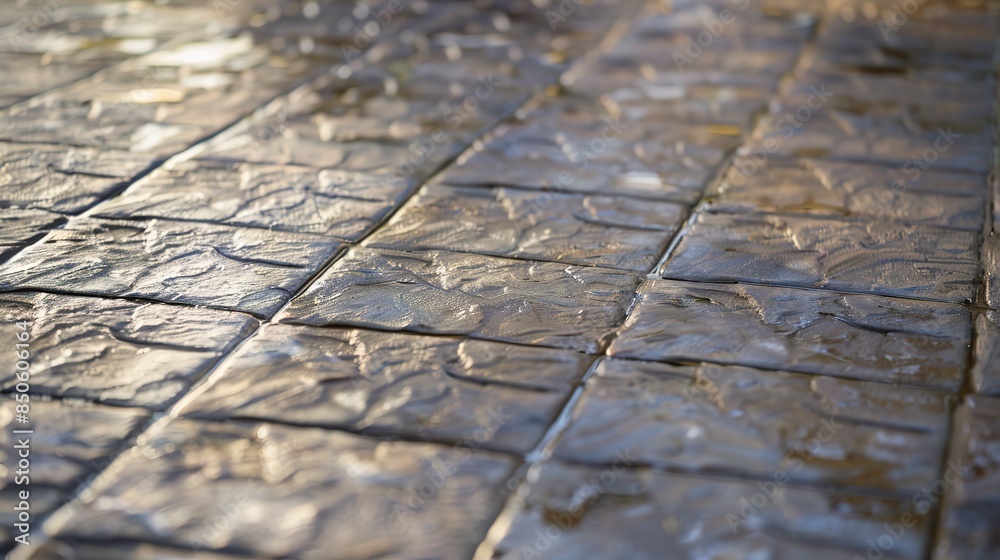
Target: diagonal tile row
x=474 y=394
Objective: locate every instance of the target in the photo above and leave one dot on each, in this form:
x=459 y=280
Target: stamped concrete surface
x=505 y=279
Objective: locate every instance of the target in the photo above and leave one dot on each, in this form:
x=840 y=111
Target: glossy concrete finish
x=504 y=279
x=851 y=335
x=442 y=292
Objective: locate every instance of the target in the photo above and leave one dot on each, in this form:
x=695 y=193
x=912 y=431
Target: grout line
x=543 y=451
x=938 y=508
x=55 y=518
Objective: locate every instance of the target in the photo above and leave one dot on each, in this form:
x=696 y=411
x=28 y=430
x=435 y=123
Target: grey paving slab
x=374 y=120
x=872 y=133
x=583 y=148
x=443 y=292
x=63 y=178
x=116 y=351
x=294 y=492
x=924 y=97
x=769 y=425
x=676 y=97
x=38 y=73
x=70 y=445
x=163 y=102
x=853 y=191
x=879 y=258
x=342 y=204
x=19 y=228
x=576 y=512
x=569 y=228
x=986 y=365
x=846 y=335
x=970 y=485
x=242 y=269
x=473 y=392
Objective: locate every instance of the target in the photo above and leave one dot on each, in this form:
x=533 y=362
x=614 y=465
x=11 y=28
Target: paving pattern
x=511 y=279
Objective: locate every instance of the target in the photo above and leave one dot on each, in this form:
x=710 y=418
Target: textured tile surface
x=116 y=351
x=566 y=228
x=808 y=429
x=487 y=393
x=850 y=335
x=62 y=178
x=456 y=293
x=341 y=204
x=971 y=484
x=878 y=258
x=71 y=444
x=243 y=269
x=576 y=512
x=295 y=492
x=856 y=192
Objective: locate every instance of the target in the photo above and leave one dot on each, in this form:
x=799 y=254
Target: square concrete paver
x=63 y=178
x=475 y=392
x=341 y=204
x=116 y=351
x=243 y=269
x=878 y=258
x=293 y=493
x=774 y=426
x=846 y=335
x=570 y=512
x=856 y=192
x=441 y=292
x=568 y=228
x=70 y=444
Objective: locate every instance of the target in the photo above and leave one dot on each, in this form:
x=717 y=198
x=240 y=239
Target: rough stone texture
x=991 y=265
x=116 y=351
x=581 y=513
x=878 y=258
x=776 y=426
x=164 y=158
x=581 y=147
x=567 y=228
x=972 y=481
x=851 y=335
x=62 y=178
x=295 y=492
x=872 y=134
x=219 y=266
x=986 y=368
x=71 y=444
x=852 y=191
x=481 y=393
x=342 y=204
x=456 y=293
x=19 y=228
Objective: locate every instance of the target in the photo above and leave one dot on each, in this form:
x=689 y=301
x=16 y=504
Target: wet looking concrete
x=512 y=279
